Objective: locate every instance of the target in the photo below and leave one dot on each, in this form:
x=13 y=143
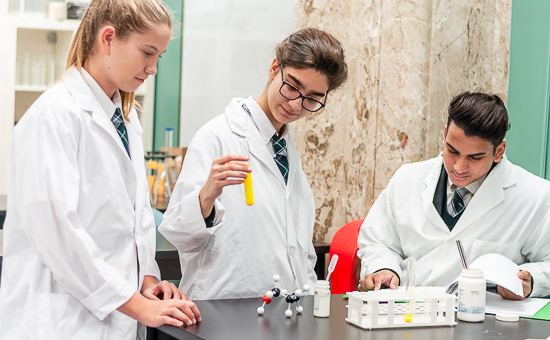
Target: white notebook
x=497 y=269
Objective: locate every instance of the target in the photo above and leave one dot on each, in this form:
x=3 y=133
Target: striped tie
x=118 y=122
x=281 y=157
x=456 y=206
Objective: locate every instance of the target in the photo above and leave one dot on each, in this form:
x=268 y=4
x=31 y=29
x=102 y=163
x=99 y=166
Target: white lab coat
x=78 y=222
x=239 y=255
x=508 y=215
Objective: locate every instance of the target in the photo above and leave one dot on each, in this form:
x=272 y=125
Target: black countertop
x=237 y=319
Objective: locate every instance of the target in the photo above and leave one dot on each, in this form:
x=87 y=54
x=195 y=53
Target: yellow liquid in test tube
x=248 y=194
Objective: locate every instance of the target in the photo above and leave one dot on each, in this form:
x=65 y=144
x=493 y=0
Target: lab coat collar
x=79 y=90
x=243 y=125
x=267 y=130
x=428 y=194
x=108 y=105
x=489 y=195
x=85 y=98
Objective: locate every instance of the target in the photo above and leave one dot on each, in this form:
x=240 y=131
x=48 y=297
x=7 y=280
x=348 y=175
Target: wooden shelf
x=41 y=23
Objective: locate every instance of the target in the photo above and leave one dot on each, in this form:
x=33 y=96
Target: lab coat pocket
x=61 y=316
x=509 y=250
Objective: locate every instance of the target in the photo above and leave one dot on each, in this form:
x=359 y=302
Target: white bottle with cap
x=471 y=295
x=321 y=299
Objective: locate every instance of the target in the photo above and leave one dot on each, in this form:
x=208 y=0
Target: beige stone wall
x=407 y=58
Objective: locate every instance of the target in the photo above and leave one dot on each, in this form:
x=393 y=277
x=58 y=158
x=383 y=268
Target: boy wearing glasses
x=227 y=248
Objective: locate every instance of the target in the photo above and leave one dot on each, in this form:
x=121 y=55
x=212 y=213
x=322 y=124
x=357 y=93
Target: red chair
x=344 y=244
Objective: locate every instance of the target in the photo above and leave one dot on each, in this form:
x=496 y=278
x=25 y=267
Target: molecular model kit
x=290 y=298
x=396 y=309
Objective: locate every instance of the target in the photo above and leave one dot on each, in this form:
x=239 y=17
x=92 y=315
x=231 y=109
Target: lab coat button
x=291 y=251
x=131 y=179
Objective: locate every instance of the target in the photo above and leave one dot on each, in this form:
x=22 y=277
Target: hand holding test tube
x=249 y=195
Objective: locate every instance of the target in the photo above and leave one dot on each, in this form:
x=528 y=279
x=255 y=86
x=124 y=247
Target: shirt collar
x=267 y=130
x=472 y=187
x=108 y=105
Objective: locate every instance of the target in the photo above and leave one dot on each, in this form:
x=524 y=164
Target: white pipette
x=332 y=265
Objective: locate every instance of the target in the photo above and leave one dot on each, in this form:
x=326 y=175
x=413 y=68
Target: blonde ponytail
x=126 y=16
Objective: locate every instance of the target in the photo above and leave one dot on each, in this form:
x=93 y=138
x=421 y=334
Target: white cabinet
x=43 y=45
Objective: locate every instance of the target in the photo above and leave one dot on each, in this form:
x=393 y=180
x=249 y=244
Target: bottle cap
x=507 y=317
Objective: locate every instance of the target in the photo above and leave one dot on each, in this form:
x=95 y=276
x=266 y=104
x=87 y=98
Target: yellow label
x=248 y=189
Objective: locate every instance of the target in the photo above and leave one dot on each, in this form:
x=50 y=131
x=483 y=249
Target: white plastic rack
x=393 y=309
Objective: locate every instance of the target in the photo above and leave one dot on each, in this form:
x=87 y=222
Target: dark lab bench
x=237 y=319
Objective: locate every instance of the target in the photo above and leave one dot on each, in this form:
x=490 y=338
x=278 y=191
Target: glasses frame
x=300 y=95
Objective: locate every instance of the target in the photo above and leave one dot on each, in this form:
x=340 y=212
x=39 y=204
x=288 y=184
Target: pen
x=461 y=253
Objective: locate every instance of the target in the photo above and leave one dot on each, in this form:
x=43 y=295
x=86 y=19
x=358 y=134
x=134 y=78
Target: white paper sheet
x=497 y=269
x=496 y=304
x=527 y=307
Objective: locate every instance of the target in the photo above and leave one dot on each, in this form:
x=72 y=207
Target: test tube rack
x=387 y=309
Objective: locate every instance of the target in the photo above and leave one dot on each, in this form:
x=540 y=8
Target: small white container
x=471 y=295
x=321 y=299
x=57 y=11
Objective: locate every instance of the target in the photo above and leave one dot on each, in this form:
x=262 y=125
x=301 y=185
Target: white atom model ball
x=288 y=313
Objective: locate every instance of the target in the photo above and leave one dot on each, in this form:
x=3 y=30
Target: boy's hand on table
x=382 y=279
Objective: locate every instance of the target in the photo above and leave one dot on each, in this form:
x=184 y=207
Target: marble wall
x=406 y=58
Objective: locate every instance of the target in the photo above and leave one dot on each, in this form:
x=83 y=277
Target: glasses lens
x=289 y=92
x=311 y=105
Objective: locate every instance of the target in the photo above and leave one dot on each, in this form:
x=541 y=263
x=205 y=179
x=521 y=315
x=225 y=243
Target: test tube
x=248 y=194
x=411 y=270
x=168 y=139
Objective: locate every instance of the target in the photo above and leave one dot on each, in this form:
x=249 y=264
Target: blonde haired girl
x=80 y=235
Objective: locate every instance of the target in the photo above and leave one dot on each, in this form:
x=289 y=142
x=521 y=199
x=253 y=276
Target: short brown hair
x=481 y=115
x=313 y=48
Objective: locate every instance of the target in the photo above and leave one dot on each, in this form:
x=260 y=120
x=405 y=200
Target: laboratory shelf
x=40 y=23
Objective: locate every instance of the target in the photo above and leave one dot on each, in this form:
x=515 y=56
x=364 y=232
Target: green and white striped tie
x=118 y=122
x=456 y=206
x=281 y=157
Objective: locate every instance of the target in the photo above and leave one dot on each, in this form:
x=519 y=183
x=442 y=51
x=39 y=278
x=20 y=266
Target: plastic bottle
x=26 y=69
x=471 y=295
x=321 y=299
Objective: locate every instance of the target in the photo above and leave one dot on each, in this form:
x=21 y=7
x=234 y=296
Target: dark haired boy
x=470 y=192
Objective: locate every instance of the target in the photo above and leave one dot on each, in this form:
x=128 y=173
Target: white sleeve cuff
x=109 y=297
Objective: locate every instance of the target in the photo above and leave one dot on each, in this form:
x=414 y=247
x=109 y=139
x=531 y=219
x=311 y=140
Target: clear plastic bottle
x=26 y=69
x=321 y=299
x=471 y=295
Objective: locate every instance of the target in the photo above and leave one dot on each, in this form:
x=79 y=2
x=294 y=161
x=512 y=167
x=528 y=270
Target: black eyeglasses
x=290 y=92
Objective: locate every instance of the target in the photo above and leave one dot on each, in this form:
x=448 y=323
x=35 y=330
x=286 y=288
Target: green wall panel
x=528 y=91
x=168 y=83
